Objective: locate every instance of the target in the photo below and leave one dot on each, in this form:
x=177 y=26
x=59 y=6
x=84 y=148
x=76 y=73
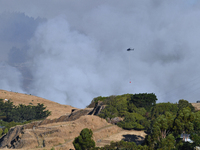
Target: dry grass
x=196 y=106
x=19 y=98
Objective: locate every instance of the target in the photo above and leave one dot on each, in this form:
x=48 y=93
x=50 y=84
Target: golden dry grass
x=196 y=106
x=19 y=98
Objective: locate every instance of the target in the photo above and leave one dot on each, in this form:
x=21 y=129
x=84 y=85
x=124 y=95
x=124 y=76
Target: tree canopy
x=163 y=122
x=84 y=141
x=21 y=113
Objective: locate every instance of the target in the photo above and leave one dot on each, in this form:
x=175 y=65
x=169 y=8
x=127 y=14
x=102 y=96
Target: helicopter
x=130 y=49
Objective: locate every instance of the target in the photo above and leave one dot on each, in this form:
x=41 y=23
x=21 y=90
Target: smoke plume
x=78 y=52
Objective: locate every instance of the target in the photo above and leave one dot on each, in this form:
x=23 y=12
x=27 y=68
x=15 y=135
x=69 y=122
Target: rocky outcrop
x=9 y=140
x=114 y=120
x=98 y=108
x=77 y=114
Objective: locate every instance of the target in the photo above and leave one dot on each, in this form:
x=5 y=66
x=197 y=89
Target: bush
x=1 y=132
x=84 y=141
x=121 y=145
x=5 y=131
x=52 y=148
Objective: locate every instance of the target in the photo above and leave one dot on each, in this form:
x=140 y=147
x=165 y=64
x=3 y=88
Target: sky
x=73 y=51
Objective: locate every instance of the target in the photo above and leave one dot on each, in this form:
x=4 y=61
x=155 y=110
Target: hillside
x=65 y=123
x=61 y=131
x=56 y=109
x=61 y=135
x=196 y=106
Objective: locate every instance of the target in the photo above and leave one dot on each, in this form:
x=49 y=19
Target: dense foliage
x=163 y=122
x=22 y=113
x=132 y=107
x=132 y=121
x=141 y=100
x=144 y=100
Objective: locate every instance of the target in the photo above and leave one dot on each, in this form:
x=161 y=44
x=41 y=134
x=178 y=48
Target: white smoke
x=80 y=52
x=10 y=78
x=65 y=63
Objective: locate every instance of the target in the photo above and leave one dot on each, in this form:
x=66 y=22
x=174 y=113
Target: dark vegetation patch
x=11 y=115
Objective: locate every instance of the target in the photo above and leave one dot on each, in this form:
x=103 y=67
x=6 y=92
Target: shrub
x=5 y=131
x=1 y=132
x=84 y=141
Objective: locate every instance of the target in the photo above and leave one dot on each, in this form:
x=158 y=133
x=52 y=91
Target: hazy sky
x=72 y=51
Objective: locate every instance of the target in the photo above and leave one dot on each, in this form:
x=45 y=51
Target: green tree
x=121 y=106
x=109 y=112
x=142 y=147
x=131 y=121
x=84 y=141
x=161 y=108
x=146 y=100
x=161 y=128
x=197 y=122
x=14 y=115
x=132 y=108
x=22 y=113
x=184 y=122
x=5 y=108
x=27 y=112
x=167 y=143
x=40 y=111
x=195 y=135
x=184 y=103
x=164 y=124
